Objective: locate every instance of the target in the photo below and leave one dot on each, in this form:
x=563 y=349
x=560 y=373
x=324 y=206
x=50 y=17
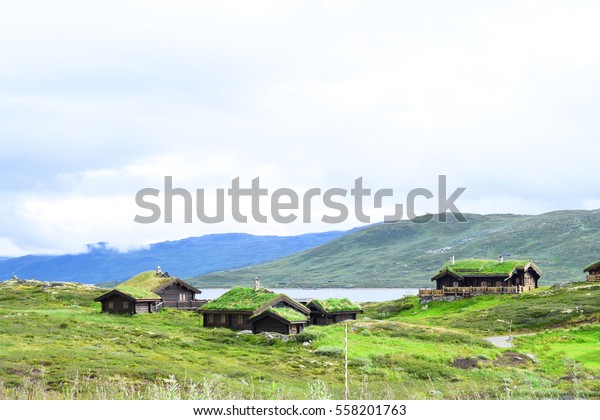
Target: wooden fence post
x=346 y=389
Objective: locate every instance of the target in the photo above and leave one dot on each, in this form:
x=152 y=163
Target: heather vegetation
x=55 y=344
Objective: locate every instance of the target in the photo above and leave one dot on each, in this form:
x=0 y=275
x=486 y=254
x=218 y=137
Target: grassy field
x=55 y=344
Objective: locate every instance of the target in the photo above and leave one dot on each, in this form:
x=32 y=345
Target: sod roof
x=137 y=292
x=337 y=305
x=147 y=280
x=474 y=268
x=288 y=314
x=592 y=266
x=241 y=299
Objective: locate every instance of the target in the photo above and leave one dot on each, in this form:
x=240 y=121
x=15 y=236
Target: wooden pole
x=347 y=390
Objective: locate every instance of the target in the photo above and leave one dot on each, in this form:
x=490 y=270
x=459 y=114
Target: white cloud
x=98 y=101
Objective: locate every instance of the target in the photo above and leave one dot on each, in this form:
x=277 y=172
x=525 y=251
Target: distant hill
x=407 y=254
x=184 y=258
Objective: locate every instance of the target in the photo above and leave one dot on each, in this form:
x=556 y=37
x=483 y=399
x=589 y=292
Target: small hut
x=130 y=300
x=593 y=271
x=240 y=308
x=175 y=292
x=280 y=320
x=331 y=311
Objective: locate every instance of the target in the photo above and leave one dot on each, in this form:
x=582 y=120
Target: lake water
x=355 y=295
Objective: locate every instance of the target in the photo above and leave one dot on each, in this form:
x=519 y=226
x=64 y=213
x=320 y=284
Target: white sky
x=100 y=100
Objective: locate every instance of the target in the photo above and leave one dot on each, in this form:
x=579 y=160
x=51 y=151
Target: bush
x=330 y=351
x=310 y=334
x=359 y=361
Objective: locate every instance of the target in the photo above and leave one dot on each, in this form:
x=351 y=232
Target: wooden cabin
x=593 y=271
x=130 y=300
x=175 y=292
x=467 y=278
x=179 y=295
x=239 y=309
x=280 y=320
x=331 y=311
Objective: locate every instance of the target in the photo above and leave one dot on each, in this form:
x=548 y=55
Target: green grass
x=337 y=305
x=56 y=344
x=241 y=299
x=485 y=267
x=543 y=308
x=289 y=314
x=148 y=280
x=137 y=292
x=581 y=344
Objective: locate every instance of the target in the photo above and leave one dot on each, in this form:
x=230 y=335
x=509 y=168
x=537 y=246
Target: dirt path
x=502 y=341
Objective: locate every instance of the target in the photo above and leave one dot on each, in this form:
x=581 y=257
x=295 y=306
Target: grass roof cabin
x=242 y=308
x=130 y=300
x=593 y=271
x=518 y=275
x=331 y=311
x=280 y=320
x=175 y=292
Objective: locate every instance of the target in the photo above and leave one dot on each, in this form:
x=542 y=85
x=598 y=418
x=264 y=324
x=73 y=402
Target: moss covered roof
x=241 y=299
x=137 y=292
x=592 y=266
x=484 y=268
x=288 y=314
x=337 y=305
x=148 y=280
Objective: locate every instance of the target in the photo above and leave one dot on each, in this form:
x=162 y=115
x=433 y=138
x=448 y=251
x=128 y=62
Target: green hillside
x=407 y=254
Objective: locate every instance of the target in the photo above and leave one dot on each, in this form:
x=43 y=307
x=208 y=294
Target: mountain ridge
x=408 y=254
x=184 y=258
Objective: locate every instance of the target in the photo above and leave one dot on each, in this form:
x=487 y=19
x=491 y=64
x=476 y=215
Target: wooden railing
x=159 y=306
x=187 y=305
x=431 y=292
x=468 y=291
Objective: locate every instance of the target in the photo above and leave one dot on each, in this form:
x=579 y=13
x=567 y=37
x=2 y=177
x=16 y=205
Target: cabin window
x=111 y=305
x=293 y=329
x=125 y=305
x=209 y=318
x=182 y=297
x=484 y=283
x=454 y=284
x=218 y=318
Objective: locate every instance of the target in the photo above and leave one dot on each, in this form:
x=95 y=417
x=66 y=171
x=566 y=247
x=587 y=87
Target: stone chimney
x=501 y=259
x=452 y=260
x=256 y=283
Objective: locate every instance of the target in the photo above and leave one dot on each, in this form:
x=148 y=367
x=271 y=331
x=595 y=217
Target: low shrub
x=331 y=351
x=310 y=334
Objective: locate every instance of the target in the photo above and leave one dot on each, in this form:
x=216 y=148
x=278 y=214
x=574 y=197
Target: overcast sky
x=99 y=100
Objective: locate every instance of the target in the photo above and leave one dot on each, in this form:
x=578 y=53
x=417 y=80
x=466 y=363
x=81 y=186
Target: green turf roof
x=147 y=280
x=288 y=314
x=337 y=305
x=137 y=292
x=592 y=266
x=241 y=299
x=484 y=267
